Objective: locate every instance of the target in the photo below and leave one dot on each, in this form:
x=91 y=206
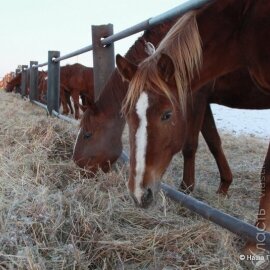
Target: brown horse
x=99 y=142
x=42 y=86
x=235 y=90
x=14 y=83
x=7 y=78
x=157 y=99
x=76 y=80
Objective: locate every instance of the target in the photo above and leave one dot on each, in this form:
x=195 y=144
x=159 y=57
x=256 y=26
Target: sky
x=30 y=28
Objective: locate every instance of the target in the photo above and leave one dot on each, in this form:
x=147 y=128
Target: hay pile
x=54 y=217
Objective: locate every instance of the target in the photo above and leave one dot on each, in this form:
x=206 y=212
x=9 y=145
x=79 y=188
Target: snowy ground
x=250 y=122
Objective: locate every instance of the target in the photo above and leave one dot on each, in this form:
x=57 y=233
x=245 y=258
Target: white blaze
x=141 y=143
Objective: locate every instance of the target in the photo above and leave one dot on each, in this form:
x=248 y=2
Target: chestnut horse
x=7 y=78
x=14 y=83
x=99 y=142
x=234 y=34
x=42 y=86
x=76 y=80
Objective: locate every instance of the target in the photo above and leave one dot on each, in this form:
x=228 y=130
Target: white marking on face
x=76 y=140
x=141 y=144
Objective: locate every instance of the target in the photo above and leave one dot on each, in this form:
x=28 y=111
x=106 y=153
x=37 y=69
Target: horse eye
x=87 y=135
x=166 y=116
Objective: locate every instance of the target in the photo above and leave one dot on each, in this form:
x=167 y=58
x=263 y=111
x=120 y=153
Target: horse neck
x=220 y=26
x=115 y=89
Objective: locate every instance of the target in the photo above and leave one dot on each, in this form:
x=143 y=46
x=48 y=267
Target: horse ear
x=165 y=67
x=126 y=68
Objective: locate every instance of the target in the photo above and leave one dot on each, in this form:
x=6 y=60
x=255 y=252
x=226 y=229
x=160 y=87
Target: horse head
x=156 y=124
x=98 y=145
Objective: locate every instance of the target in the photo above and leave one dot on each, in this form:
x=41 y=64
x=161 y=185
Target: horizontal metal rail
x=144 y=25
x=178 y=11
x=170 y=14
x=44 y=106
x=58 y=115
x=65 y=118
x=234 y=225
x=75 y=53
x=125 y=33
x=39 y=65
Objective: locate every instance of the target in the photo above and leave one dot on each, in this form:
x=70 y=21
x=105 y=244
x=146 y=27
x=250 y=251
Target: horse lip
x=145 y=202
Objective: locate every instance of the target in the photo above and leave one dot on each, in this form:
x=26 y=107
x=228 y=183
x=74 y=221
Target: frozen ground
x=251 y=122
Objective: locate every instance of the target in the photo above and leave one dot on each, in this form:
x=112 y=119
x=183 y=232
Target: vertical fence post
x=53 y=85
x=24 y=80
x=33 y=81
x=103 y=57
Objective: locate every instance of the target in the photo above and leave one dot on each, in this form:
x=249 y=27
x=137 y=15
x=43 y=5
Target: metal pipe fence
x=103 y=55
x=234 y=225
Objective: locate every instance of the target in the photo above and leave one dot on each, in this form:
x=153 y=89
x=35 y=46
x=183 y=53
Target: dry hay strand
x=54 y=217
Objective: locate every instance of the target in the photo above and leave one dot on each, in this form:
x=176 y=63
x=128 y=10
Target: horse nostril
x=147 y=198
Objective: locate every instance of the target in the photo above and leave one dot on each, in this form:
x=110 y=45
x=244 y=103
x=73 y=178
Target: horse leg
x=64 y=101
x=67 y=95
x=83 y=98
x=263 y=220
x=75 y=97
x=212 y=138
x=195 y=114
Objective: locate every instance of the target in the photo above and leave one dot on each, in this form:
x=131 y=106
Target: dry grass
x=54 y=217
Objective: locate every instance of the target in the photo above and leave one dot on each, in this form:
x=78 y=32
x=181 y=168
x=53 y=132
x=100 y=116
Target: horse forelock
x=183 y=45
x=145 y=79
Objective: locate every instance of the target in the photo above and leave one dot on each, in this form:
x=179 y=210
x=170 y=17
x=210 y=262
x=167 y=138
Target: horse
x=76 y=80
x=7 y=78
x=234 y=90
x=202 y=45
x=42 y=86
x=14 y=83
x=98 y=142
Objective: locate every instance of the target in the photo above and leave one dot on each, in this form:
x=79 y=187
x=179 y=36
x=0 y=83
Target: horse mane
x=183 y=45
